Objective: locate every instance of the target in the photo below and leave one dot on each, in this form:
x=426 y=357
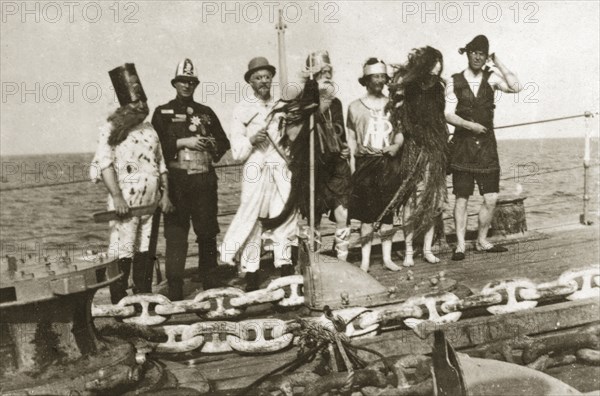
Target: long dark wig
x=417 y=101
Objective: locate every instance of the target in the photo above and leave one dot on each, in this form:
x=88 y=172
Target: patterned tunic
x=138 y=163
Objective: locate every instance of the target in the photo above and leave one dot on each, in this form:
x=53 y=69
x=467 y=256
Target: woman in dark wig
x=417 y=108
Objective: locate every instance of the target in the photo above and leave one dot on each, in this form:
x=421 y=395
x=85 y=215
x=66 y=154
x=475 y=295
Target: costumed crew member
x=417 y=106
x=375 y=148
x=192 y=139
x=255 y=137
x=332 y=156
x=473 y=151
x=130 y=161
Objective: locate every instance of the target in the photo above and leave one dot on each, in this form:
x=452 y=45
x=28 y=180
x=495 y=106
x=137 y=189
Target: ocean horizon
x=48 y=200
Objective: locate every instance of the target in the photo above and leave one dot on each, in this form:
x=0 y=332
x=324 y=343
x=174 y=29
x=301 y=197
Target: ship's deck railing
x=586 y=165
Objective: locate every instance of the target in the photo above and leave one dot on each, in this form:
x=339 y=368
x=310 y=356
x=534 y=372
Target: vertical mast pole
x=281 y=26
x=311 y=125
x=583 y=219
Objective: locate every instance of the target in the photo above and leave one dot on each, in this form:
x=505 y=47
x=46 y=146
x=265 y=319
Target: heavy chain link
x=248 y=336
x=223 y=303
x=269 y=335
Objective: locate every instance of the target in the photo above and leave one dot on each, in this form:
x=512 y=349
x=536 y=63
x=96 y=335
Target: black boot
x=294 y=256
x=287 y=270
x=142 y=273
x=199 y=276
x=252 y=282
x=175 y=292
x=176 y=254
x=207 y=264
x=118 y=289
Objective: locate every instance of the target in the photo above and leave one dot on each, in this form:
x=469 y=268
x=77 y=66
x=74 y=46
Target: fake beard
x=123 y=121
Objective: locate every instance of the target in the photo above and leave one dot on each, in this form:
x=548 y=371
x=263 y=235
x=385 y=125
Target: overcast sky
x=55 y=56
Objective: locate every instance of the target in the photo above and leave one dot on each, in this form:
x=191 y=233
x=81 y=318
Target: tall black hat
x=127 y=84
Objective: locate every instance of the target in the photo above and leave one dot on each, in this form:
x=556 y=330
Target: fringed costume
x=418 y=112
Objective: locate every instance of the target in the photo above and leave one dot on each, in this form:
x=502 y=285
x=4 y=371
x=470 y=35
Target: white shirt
x=249 y=117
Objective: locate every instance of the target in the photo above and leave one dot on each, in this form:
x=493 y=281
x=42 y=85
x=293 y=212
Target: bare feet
x=390 y=265
x=365 y=267
x=429 y=257
x=408 y=259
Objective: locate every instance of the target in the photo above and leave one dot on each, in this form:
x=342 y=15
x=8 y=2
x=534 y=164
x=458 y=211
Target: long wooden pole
x=283 y=81
x=311 y=130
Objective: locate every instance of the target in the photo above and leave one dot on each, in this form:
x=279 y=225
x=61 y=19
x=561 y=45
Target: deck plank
x=536 y=256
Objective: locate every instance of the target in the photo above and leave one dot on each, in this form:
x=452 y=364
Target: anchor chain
x=222 y=303
x=269 y=335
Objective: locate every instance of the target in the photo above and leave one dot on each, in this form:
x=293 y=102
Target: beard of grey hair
x=123 y=120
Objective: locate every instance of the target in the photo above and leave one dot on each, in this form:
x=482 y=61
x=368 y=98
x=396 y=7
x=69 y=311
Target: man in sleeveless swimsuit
x=473 y=153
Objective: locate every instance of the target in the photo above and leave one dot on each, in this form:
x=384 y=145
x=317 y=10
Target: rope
x=548 y=172
x=587 y=114
x=302 y=358
x=317 y=337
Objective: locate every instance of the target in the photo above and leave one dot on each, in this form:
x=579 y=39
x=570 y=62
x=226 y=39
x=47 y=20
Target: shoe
x=458 y=255
x=252 y=282
x=489 y=248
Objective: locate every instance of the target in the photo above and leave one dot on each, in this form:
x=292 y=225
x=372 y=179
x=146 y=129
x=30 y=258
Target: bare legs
x=387 y=233
x=486 y=213
x=460 y=222
x=342 y=232
x=366 y=240
x=485 y=218
x=408 y=241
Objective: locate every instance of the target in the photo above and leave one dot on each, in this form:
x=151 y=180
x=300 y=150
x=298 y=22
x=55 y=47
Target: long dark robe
x=332 y=173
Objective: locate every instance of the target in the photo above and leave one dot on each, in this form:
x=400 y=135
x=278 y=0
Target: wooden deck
x=537 y=255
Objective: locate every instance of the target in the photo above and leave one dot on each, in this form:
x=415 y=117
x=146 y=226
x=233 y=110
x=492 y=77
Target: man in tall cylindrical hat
x=266 y=184
x=375 y=146
x=470 y=108
x=130 y=162
x=192 y=139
